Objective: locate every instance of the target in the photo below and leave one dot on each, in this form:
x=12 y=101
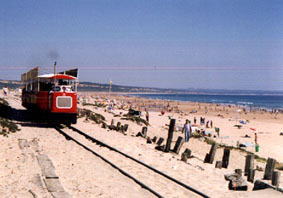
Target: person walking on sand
x=207 y=124
x=217 y=130
x=187 y=129
x=146 y=115
x=195 y=120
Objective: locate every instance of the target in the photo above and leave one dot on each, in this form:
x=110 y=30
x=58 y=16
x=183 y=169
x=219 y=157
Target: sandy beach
x=267 y=125
x=83 y=175
x=141 y=99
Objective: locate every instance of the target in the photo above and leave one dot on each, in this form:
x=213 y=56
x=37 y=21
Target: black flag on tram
x=72 y=72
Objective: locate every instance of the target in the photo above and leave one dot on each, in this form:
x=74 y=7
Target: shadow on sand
x=26 y=118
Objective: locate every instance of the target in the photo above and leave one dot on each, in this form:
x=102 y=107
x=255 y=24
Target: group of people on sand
x=208 y=123
x=187 y=128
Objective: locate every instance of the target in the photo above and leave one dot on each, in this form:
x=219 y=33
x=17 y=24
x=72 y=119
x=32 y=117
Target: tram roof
x=57 y=76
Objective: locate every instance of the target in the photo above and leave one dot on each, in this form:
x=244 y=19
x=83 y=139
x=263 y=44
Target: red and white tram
x=54 y=95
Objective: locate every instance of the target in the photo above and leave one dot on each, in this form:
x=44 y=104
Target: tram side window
x=29 y=87
x=35 y=86
x=45 y=86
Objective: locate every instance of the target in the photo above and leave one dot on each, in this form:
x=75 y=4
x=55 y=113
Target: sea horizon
x=268 y=102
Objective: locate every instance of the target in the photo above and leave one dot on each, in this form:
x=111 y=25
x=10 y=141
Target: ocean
x=254 y=101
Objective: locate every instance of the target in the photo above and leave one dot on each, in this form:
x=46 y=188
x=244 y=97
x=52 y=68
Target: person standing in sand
x=187 y=129
x=5 y=91
x=207 y=126
x=146 y=115
x=217 y=130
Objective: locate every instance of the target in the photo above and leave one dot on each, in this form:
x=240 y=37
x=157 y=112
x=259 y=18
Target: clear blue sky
x=230 y=44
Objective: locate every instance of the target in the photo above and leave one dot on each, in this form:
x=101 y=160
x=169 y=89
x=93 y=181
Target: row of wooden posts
x=178 y=145
x=269 y=173
x=160 y=146
x=119 y=127
x=249 y=170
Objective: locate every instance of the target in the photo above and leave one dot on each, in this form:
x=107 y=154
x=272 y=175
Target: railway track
x=140 y=172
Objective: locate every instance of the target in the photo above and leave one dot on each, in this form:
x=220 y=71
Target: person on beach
x=256 y=144
x=202 y=121
x=211 y=124
x=146 y=115
x=5 y=91
x=195 y=120
x=187 y=129
x=217 y=130
x=168 y=106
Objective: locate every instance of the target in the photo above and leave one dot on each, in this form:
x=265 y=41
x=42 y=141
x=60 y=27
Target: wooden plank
x=104 y=125
x=186 y=155
x=249 y=163
x=209 y=158
x=154 y=139
x=259 y=185
x=46 y=165
x=36 y=180
x=112 y=122
x=144 y=132
x=251 y=175
x=118 y=127
x=51 y=180
x=212 y=153
x=53 y=185
x=170 y=135
x=269 y=168
x=160 y=148
x=148 y=140
x=188 y=152
x=206 y=159
x=178 y=145
x=276 y=178
x=225 y=158
x=112 y=125
x=160 y=141
x=125 y=127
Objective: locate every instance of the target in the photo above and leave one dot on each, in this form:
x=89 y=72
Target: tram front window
x=63 y=82
x=65 y=85
x=56 y=88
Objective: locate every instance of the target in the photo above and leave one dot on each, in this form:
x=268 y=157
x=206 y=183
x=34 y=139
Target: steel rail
x=138 y=161
x=110 y=163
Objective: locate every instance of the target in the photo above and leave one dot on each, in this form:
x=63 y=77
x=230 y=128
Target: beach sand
x=83 y=175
